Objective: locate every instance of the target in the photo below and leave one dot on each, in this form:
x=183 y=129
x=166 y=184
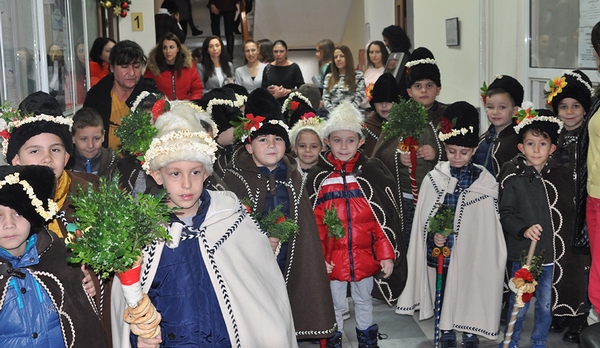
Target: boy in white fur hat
x=216 y=281
x=369 y=251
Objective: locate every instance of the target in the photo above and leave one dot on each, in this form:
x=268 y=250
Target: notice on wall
x=585 y=58
x=589 y=12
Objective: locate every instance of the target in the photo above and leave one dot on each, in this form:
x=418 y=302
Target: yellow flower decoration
x=554 y=87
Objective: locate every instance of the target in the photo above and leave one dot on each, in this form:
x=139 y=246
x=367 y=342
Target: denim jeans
x=543 y=313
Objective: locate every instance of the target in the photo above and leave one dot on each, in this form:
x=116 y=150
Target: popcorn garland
x=455 y=132
x=420 y=61
x=580 y=79
x=288 y=101
x=164 y=145
x=225 y=102
x=527 y=115
x=14 y=179
x=139 y=99
x=240 y=99
x=273 y=122
x=6 y=129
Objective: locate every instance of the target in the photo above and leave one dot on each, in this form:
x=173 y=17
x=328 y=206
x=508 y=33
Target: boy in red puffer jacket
x=369 y=216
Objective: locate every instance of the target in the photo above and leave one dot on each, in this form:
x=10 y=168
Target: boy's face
x=267 y=150
x=571 y=112
x=500 y=110
x=44 y=149
x=425 y=92
x=383 y=109
x=184 y=182
x=459 y=156
x=308 y=146
x=88 y=140
x=14 y=231
x=536 y=149
x=344 y=144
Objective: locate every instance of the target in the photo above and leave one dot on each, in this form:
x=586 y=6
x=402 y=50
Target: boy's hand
x=329 y=266
x=274 y=243
x=149 y=342
x=534 y=232
x=439 y=240
x=387 y=267
x=426 y=152
x=405 y=159
x=88 y=284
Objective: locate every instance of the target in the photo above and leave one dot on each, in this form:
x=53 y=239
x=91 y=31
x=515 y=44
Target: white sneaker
x=592 y=317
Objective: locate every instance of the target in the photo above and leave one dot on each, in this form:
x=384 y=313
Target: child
x=371 y=248
x=43 y=300
x=424 y=84
x=88 y=135
x=536 y=201
x=571 y=101
x=499 y=143
x=471 y=193
x=217 y=264
x=262 y=172
x=384 y=93
x=306 y=142
x=313 y=93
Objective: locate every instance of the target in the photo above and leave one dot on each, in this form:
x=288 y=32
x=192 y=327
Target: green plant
x=442 y=222
x=136 y=132
x=274 y=222
x=115 y=226
x=407 y=118
x=334 y=223
x=535 y=268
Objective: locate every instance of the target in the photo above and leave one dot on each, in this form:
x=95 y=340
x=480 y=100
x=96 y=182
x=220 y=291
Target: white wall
x=145 y=38
x=378 y=15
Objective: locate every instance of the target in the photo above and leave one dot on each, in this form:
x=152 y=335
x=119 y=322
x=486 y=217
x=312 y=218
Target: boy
x=536 y=200
x=471 y=193
x=384 y=94
x=262 y=172
x=43 y=300
x=88 y=135
x=423 y=84
x=371 y=248
x=499 y=143
x=217 y=263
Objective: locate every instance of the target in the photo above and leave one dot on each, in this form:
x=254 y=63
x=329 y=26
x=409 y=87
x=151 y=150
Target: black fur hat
x=578 y=87
x=48 y=119
x=385 y=90
x=13 y=193
x=538 y=119
x=460 y=125
x=295 y=106
x=510 y=85
x=262 y=103
x=221 y=113
x=422 y=66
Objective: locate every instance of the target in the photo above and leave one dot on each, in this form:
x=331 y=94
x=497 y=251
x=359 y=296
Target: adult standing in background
x=377 y=56
x=114 y=94
x=250 y=74
x=215 y=69
x=99 y=62
x=170 y=65
x=396 y=40
x=324 y=55
x=166 y=20
x=343 y=83
x=186 y=17
x=225 y=9
x=282 y=75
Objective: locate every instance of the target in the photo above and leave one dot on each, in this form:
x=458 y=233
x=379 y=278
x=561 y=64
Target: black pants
x=229 y=23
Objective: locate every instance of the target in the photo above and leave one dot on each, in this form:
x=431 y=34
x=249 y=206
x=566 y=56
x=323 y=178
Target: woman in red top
x=99 y=59
x=170 y=65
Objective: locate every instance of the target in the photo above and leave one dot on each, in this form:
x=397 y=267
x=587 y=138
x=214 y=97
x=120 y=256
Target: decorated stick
x=438 y=298
x=515 y=310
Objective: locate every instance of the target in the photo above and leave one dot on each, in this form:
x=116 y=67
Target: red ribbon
x=131 y=276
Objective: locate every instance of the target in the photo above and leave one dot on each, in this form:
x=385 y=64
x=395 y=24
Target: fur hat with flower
x=180 y=138
x=343 y=117
x=295 y=106
x=29 y=190
x=38 y=113
x=571 y=84
x=460 y=125
x=307 y=122
x=223 y=106
x=154 y=103
x=263 y=117
x=540 y=119
x=422 y=66
x=509 y=85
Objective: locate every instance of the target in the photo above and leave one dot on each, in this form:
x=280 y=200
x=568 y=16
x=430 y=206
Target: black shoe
x=558 y=324
x=448 y=340
x=578 y=324
x=197 y=32
x=470 y=342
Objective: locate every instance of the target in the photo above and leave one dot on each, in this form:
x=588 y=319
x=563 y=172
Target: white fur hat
x=343 y=117
x=180 y=137
x=314 y=123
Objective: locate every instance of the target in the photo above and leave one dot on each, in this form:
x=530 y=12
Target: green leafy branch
x=535 y=268
x=136 y=132
x=442 y=222
x=334 y=223
x=407 y=118
x=274 y=222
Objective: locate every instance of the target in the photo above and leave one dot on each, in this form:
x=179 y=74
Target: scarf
x=60 y=195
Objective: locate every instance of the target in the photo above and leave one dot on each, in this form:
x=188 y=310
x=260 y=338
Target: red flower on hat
x=308 y=115
x=294 y=105
x=158 y=108
x=5 y=134
x=253 y=122
x=445 y=125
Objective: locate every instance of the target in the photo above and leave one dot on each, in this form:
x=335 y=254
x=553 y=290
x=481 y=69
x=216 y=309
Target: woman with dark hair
x=324 y=55
x=588 y=188
x=265 y=51
x=343 y=83
x=99 y=62
x=397 y=40
x=250 y=74
x=377 y=56
x=215 y=69
x=282 y=75
x=170 y=65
